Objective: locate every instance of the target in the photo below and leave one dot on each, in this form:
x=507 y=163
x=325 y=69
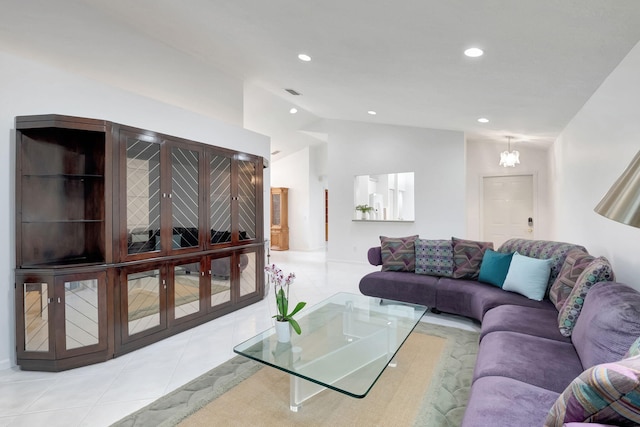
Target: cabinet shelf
x=62 y=221
x=62 y=175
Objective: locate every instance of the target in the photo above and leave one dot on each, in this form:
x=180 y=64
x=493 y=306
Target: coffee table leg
x=392 y=337
x=301 y=390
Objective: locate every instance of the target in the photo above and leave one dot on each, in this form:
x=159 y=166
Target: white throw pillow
x=528 y=276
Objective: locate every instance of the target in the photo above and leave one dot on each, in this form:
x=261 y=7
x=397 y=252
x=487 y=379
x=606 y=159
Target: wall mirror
x=384 y=197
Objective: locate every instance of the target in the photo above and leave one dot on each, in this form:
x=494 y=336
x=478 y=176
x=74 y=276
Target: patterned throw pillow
x=599 y=270
x=398 y=254
x=434 y=257
x=608 y=393
x=541 y=249
x=575 y=263
x=467 y=257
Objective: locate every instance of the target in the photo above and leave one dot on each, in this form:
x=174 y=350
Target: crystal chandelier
x=509 y=158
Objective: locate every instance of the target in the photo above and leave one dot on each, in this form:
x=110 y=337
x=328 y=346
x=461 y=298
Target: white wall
x=301 y=173
x=483 y=160
x=28 y=87
x=438 y=160
x=588 y=157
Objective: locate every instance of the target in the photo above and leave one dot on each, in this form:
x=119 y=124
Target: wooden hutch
x=126 y=236
x=279 y=218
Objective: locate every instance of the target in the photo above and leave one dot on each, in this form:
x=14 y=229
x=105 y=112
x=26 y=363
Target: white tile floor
x=101 y=394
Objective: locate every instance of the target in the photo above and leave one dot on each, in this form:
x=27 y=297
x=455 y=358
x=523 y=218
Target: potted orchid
x=364 y=210
x=281 y=290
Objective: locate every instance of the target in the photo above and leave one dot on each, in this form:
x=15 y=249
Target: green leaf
x=281 y=302
x=299 y=307
x=295 y=325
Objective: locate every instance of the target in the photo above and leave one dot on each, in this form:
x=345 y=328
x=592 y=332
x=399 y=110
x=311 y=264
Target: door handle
x=530 y=222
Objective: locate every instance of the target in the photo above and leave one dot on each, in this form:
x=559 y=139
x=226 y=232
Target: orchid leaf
x=295 y=325
x=282 y=303
x=299 y=307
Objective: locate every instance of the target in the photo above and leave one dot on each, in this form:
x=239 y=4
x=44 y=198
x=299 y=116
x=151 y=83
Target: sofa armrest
x=375 y=255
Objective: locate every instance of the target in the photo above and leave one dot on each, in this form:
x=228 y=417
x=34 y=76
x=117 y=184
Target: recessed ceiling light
x=293 y=110
x=371 y=112
x=474 y=52
x=483 y=120
x=304 y=57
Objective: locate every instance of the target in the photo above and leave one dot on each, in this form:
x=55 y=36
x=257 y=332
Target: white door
x=507 y=208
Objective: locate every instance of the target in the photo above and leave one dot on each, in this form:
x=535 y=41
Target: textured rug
x=429 y=387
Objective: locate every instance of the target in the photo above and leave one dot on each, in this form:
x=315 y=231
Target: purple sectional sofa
x=524 y=363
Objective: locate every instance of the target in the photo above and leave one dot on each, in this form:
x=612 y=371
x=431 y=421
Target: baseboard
x=5 y=364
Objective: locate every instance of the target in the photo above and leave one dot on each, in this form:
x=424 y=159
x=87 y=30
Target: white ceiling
x=404 y=59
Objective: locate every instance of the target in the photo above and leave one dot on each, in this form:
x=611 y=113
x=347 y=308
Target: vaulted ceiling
x=404 y=59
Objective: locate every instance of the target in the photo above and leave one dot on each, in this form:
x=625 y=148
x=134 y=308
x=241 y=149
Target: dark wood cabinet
x=162 y=232
x=63 y=317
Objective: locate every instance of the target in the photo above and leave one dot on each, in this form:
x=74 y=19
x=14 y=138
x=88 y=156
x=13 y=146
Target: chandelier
x=509 y=158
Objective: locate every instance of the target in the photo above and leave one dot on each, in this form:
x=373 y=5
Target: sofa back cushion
x=542 y=249
x=434 y=257
x=575 y=263
x=608 y=325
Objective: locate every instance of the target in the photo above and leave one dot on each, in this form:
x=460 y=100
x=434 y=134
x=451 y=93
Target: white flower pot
x=283 y=331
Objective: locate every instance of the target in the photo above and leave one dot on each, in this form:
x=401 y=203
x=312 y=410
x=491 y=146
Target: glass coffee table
x=347 y=341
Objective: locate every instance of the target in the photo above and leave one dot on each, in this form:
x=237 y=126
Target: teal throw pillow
x=528 y=276
x=494 y=267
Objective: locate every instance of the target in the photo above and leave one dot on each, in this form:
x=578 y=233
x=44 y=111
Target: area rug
x=428 y=387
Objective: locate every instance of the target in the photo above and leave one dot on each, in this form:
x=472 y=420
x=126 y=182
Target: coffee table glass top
x=346 y=343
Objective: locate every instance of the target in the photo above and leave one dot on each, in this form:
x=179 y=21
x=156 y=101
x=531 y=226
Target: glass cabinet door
x=275 y=209
x=219 y=199
x=143 y=196
x=220 y=277
x=145 y=299
x=246 y=199
x=83 y=299
x=185 y=198
x=248 y=278
x=35 y=311
x=186 y=289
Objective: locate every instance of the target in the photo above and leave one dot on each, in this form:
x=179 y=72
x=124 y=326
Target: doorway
x=508 y=208
x=326 y=215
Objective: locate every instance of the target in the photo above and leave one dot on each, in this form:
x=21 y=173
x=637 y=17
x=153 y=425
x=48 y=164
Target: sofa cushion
x=608 y=324
x=539 y=322
x=599 y=270
x=473 y=299
x=467 y=257
x=575 y=263
x=494 y=267
x=607 y=393
x=501 y=401
x=400 y=286
x=398 y=253
x=528 y=276
x=541 y=362
x=434 y=257
x=542 y=249
x=634 y=350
